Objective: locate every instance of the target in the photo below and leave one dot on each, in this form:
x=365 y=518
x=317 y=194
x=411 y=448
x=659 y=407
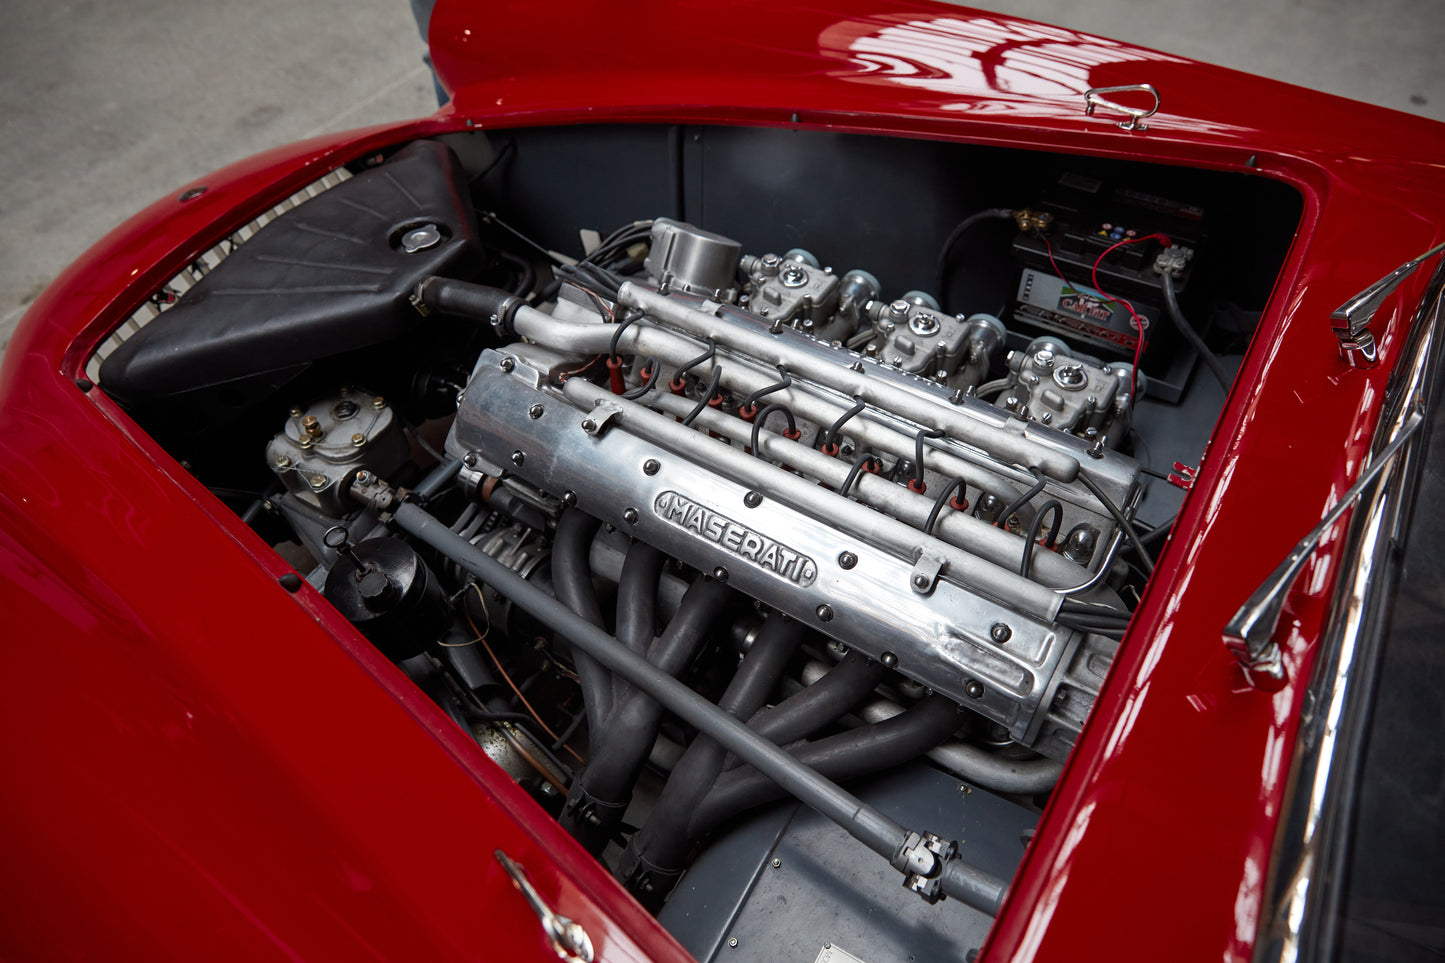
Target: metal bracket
x=604 y=413
x=1094 y=98
x=926 y=570
x=1183 y=476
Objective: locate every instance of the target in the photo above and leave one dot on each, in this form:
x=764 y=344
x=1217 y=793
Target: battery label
x=1078 y=309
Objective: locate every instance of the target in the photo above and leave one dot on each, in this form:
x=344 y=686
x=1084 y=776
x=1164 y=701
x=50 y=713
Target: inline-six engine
x=876 y=497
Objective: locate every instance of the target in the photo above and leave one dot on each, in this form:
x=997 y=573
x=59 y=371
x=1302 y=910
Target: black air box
x=326 y=278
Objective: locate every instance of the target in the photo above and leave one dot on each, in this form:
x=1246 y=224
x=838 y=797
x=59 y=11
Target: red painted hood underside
x=959 y=68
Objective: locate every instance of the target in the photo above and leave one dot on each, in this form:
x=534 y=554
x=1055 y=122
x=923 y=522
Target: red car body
x=173 y=794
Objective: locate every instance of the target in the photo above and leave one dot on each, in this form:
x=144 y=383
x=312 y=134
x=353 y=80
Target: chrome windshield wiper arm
x=1249 y=636
x=1351 y=320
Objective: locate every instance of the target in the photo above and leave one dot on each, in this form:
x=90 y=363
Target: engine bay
x=812 y=429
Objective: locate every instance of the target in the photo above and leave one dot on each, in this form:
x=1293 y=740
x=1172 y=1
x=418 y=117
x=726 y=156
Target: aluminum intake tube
x=1014 y=446
x=886 y=431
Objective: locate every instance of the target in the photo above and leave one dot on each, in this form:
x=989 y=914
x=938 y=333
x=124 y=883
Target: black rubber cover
x=323 y=279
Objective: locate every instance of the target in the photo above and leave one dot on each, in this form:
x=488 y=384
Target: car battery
x=1056 y=294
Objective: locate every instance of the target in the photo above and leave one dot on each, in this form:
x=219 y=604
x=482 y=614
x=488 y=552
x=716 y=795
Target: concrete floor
x=108 y=106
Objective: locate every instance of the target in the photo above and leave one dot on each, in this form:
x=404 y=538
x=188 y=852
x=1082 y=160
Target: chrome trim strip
x=1296 y=920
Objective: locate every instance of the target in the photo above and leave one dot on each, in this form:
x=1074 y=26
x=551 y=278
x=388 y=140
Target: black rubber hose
x=464 y=299
x=879 y=833
x=708 y=394
x=623 y=744
x=526 y=273
x=941 y=278
x=1054 y=507
x=1129 y=533
x=637 y=603
x=572 y=582
x=1021 y=501
x=848 y=755
x=656 y=855
x=1186 y=330
x=805 y=712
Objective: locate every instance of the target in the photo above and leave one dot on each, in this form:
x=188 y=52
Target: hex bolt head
x=720 y=573
x=358 y=439
x=363 y=477
x=282 y=461
x=508 y=364
x=535 y=412
x=317 y=482
x=518 y=457
x=847 y=560
x=651 y=467
x=973 y=688
x=825 y=613
x=378 y=402
x=630 y=516
x=1000 y=633
x=753 y=499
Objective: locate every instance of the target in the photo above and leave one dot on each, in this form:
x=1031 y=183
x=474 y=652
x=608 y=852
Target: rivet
x=535 y=412
x=569 y=498
x=733 y=942
x=889 y=660
x=358 y=439
x=753 y=499
x=720 y=573
x=777 y=863
x=470 y=459
x=825 y=613
x=508 y=364
x=920 y=581
x=847 y=560
x=1000 y=633
x=651 y=466
x=974 y=688
x=629 y=515
x=518 y=457
x=588 y=425
x=378 y=402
